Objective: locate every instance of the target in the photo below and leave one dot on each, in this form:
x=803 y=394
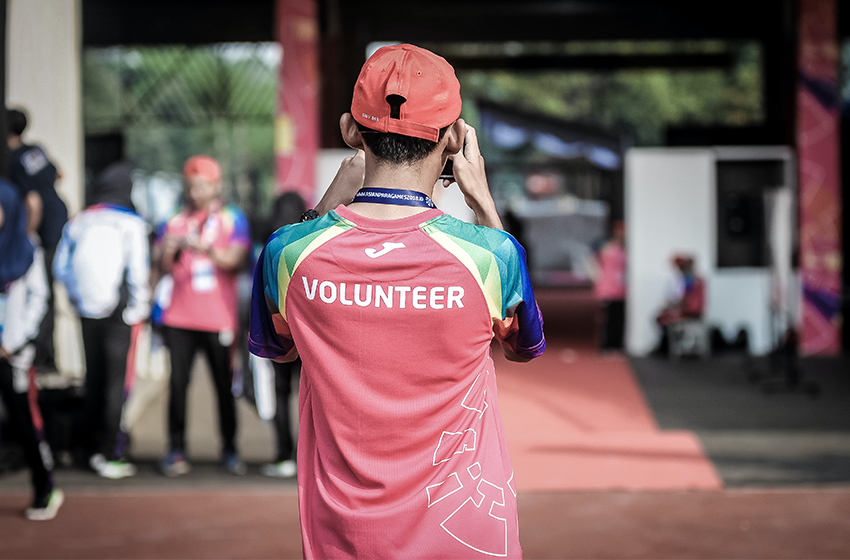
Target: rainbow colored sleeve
x=236 y=223
x=269 y=334
x=498 y=263
x=494 y=258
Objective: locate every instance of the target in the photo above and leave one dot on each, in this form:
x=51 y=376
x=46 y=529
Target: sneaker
x=174 y=464
x=97 y=462
x=116 y=470
x=234 y=465
x=283 y=469
x=49 y=510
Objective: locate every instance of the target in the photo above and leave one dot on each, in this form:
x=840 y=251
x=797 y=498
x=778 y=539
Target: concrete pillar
x=297 y=121
x=43 y=75
x=44 y=43
x=819 y=165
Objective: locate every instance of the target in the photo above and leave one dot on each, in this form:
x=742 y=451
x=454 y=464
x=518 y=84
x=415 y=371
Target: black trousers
x=613 y=324
x=183 y=345
x=283 y=389
x=106 y=343
x=36 y=450
x=45 y=351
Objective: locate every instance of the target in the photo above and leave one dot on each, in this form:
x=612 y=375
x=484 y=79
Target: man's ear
x=455 y=135
x=350 y=133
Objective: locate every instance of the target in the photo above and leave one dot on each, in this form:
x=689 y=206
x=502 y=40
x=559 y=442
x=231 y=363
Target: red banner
x=297 y=121
x=820 y=178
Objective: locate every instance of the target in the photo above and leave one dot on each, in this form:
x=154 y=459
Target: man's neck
x=14 y=142
x=420 y=177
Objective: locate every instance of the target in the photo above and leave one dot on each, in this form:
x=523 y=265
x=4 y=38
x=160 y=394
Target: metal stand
x=783 y=370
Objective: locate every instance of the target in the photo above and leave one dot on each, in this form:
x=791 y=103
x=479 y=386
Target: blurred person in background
x=288 y=208
x=202 y=247
x=23 y=301
x=102 y=259
x=35 y=176
x=685 y=299
x=610 y=288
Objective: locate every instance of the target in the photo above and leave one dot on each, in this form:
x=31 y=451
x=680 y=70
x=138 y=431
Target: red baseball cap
x=425 y=81
x=205 y=166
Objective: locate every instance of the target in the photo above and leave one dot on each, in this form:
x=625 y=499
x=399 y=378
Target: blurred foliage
x=639 y=103
x=624 y=47
x=172 y=102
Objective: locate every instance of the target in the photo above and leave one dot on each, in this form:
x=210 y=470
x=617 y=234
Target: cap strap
x=413 y=129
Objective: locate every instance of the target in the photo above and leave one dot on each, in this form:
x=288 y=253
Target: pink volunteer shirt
x=401 y=449
x=611 y=284
x=204 y=296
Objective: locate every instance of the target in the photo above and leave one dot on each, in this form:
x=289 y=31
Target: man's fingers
x=471 y=151
x=466 y=128
x=359 y=154
x=471 y=156
x=359 y=161
x=353 y=164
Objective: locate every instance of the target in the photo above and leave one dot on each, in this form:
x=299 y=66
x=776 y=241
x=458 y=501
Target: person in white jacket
x=102 y=259
x=23 y=301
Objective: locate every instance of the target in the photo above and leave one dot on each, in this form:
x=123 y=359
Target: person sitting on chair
x=686 y=300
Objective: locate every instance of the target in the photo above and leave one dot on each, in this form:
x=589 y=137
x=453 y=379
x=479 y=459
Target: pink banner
x=820 y=178
x=297 y=121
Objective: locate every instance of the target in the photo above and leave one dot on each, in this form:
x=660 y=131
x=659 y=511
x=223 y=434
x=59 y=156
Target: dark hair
x=287 y=209
x=113 y=185
x=396 y=148
x=17 y=121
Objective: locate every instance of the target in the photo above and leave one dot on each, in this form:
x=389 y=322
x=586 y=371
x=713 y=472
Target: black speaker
x=737 y=215
x=741 y=235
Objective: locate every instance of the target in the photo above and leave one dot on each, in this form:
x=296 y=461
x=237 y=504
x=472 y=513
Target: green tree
x=641 y=103
x=173 y=102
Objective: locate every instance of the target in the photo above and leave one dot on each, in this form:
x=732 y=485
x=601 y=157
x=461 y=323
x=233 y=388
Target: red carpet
x=576 y=420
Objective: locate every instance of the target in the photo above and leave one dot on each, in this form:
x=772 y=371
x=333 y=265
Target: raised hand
x=471 y=178
x=346 y=183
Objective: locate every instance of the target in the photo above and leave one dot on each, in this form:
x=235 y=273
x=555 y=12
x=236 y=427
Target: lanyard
x=378 y=195
x=209 y=224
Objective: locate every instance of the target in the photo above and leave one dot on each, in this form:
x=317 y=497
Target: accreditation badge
x=203 y=274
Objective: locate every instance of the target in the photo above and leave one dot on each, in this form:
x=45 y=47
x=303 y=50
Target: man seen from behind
x=35 y=177
x=392 y=306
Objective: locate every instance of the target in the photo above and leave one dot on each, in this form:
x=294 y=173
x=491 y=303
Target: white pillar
x=43 y=76
x=669 y=209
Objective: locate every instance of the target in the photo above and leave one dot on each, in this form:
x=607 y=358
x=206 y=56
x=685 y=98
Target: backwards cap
x=426 y=83
x=204 y=166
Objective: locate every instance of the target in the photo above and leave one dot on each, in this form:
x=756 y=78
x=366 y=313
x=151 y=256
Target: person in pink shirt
x=685 y=300
x=393 y=307
x=610 y=288
x=202 y=247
